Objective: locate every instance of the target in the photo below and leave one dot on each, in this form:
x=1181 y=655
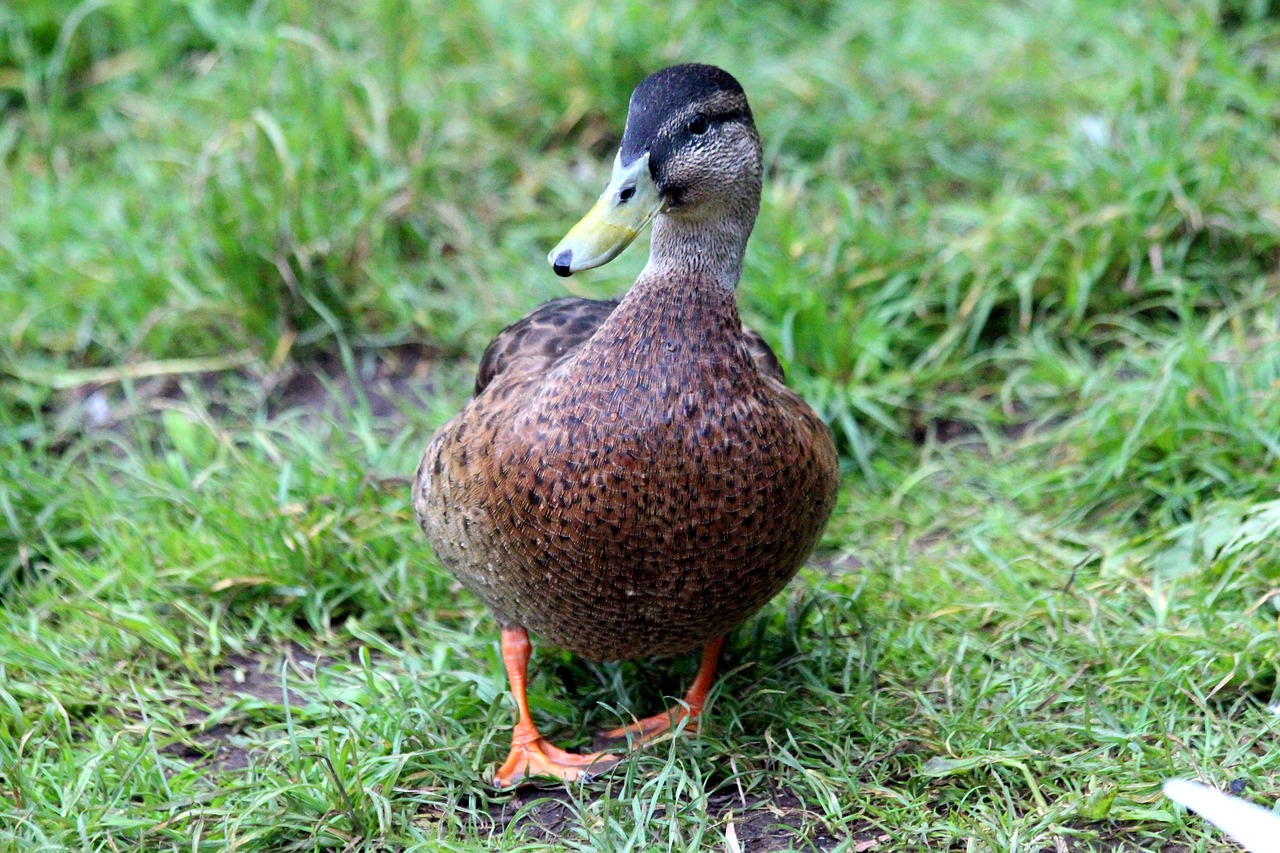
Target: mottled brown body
x=630 y=483
x=634 y=478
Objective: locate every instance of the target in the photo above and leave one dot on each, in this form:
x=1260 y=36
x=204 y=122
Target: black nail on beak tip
x=562 y=262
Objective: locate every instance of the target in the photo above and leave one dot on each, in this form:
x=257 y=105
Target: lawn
x=1024 y=257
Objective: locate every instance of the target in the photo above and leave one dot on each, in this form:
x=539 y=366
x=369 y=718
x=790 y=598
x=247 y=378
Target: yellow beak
x=622 y=211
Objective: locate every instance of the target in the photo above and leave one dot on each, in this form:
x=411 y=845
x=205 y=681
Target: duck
x=633 y=478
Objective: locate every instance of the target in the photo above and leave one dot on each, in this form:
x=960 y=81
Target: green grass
x=1022 y=256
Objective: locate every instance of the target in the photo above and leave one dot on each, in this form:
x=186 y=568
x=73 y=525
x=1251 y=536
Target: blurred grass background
x=1021 y=255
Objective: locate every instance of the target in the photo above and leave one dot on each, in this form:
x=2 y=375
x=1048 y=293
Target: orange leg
x=531 y=754
x=643 y=731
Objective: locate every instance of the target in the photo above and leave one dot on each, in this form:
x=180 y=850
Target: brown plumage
x=557 y=328
x=634 y=478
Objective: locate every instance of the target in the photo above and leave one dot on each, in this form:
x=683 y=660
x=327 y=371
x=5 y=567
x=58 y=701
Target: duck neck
x=699 y=252
x=684 y=304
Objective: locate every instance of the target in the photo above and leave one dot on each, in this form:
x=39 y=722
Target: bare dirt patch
x=215 y=729
x=259 y=676
x=318 y=388
x=384 y=379
x=760 y=824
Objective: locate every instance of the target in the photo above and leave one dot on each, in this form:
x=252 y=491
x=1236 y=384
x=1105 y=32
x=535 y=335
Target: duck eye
x=698 y=125
x=626 y=194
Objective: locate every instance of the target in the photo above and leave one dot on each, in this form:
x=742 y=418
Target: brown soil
x=387 y=379
x=240 y=677
x=318 y=389
x=760 y=824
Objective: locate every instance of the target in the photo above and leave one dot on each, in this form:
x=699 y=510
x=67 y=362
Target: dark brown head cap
x=670 y=103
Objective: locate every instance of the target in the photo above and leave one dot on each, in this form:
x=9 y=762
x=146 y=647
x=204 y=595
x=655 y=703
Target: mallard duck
x=633 y=478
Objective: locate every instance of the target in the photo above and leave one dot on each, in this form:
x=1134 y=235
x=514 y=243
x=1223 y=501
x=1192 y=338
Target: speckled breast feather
x=641 y=487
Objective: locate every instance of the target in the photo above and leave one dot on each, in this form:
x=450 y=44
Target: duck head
x=690 y=152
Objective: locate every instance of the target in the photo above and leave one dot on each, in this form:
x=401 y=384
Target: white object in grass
x=1254 y=827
